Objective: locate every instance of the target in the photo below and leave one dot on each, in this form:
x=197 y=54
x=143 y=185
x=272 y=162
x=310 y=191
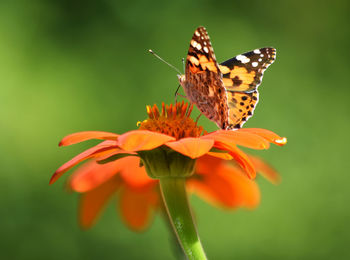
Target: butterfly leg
x=178 y=94
x=198 y=118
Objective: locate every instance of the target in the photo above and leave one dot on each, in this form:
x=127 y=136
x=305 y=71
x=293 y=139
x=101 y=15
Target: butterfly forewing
x=203 y=80
x=244 y=72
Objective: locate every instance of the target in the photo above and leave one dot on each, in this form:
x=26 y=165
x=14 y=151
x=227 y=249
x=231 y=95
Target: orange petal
x=134 y=175
x=92 y=202
x=227 y=187
x=208 y=164
x=225 y=156
x=265 y=170
x=268 y=135
x=87 y=135
x=192 y=147
x=91 y=174
x=137 y=207
x=103 y=148
x=138 y=140
x=238 y=137
x=240 y=157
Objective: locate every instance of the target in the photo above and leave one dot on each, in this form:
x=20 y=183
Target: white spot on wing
x=255 y=64
x=260 y=59
x=257 y=51
x=194 y=43
x=242 y=58
x=197 y=33
x=205 y=49
x=198 y=47
x=261 y=55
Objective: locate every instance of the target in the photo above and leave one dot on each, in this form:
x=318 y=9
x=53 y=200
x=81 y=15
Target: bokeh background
x=74 y=65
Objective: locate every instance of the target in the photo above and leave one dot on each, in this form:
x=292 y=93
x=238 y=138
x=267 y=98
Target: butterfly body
x=225 y=93
x=197 y=90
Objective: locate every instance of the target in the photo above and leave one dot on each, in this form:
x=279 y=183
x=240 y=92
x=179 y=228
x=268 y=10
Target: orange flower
x=118 y=164
x=217 y=181
x=172 y=129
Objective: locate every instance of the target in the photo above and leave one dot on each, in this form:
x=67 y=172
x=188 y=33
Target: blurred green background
x=68 y=66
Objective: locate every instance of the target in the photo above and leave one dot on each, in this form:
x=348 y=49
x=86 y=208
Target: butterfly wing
x=203 y=83
x=244 y=72
x=241 y=77
x=226 y=93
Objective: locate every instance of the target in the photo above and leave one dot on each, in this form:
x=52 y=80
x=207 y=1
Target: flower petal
x=208 y=164
x=265 y=170
x=138 y=140
x=239 y=137
x=103 y=148
x=268 y=135
x=92 y=202
x=227 y=186
x=192 y=147
x=134 y=175
x=240 y=157
x=137 y=206
x=87 y=135
x=225 y=156
x=91 y=174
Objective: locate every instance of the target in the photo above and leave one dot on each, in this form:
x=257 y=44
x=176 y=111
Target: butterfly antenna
x=183 y=64
x=155 y=54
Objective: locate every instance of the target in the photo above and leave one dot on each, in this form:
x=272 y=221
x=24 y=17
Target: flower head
x=171 y=130
x=160 y=158
x=124 y=164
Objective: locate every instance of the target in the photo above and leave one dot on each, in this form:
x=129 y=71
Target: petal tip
x=52 y=180
x=281 y=141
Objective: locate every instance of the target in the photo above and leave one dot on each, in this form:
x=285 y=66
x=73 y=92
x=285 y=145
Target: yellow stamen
x=173 y=120
x=149 y=111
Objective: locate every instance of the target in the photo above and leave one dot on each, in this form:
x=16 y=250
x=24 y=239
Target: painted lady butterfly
x=227 y=93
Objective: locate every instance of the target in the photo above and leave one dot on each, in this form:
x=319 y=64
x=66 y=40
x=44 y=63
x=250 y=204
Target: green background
x=68 y=66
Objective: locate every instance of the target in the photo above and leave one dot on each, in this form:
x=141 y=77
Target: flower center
x=174 y=120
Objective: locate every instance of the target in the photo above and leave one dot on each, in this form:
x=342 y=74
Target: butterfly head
x=182 y=79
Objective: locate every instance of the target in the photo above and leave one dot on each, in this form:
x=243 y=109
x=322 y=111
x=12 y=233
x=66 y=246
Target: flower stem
x=175 y=245
x=175 y=199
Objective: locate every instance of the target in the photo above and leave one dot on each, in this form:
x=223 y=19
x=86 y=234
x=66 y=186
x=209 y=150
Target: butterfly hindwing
x=240 y=107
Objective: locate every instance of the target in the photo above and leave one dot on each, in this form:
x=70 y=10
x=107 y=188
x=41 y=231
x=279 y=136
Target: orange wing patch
x=237 y=79
x=245 y=71
x=207 y=64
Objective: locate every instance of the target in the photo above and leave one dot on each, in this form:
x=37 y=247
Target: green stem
x=174 y=242
x=176 y=202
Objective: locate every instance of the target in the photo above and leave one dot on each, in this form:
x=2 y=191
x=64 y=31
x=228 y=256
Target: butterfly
x=225 y=93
